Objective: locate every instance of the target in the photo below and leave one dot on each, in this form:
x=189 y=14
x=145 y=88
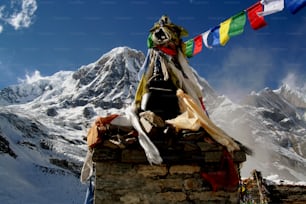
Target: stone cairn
x=195 y=168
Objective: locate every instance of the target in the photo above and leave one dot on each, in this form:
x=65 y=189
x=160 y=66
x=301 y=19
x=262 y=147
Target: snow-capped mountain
x=43 y=122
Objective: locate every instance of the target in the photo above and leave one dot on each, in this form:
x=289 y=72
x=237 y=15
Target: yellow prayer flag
x=224 y=28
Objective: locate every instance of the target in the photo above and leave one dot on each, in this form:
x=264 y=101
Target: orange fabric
x=98 y=128
x=193 y=117
x=105 y=120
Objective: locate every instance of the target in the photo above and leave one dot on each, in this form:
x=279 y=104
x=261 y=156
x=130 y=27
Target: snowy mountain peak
x=107 y=83
x=31 y=87
x=123 y=51
x=284 y=101
x=296 y=96
x=110 y=81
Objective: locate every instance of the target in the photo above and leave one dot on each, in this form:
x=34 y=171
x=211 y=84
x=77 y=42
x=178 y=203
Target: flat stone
x=151 y=171
x=184 y=169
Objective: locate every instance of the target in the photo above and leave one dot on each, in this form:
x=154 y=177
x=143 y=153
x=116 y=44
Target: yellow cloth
x=141 y=90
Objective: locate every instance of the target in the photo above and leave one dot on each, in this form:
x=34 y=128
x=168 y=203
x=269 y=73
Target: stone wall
x=289 y=194
x=124 y=176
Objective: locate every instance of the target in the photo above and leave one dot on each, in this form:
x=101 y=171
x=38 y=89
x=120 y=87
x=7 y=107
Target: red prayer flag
x=197 y=44
x=255 y=20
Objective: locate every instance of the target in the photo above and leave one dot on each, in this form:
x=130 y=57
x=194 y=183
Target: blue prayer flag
x=295 y=5
x=216 y=35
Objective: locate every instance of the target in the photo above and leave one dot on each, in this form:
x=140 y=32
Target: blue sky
x=53 y=35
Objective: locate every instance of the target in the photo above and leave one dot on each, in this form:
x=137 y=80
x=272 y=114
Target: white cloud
x=294 y=80
x=1 y=28
x=290 y=79
x=20 y=14
x=31 y=77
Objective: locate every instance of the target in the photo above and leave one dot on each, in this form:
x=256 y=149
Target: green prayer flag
x=189 y=48
x=237 y=24
x=150 y=41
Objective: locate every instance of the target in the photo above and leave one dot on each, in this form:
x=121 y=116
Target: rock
x=5 y=147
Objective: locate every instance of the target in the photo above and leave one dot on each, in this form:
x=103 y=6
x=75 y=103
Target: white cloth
x=150 y=149
x=87 y=169
x=205 y=40
x=271 y=6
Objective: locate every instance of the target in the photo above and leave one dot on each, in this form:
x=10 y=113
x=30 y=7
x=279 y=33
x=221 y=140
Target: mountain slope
x=34 y=170
x=43 y=122
x=282 y=130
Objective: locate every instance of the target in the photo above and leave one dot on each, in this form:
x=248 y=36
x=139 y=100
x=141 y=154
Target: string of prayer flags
x=193 y=46
x=229 y=28
x=295 y=5
x=255 y=20
x=271 y=6
x=235 y=25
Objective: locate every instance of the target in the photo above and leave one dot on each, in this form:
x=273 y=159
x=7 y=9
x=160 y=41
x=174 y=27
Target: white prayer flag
x=271 y=6
x=205 y=36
